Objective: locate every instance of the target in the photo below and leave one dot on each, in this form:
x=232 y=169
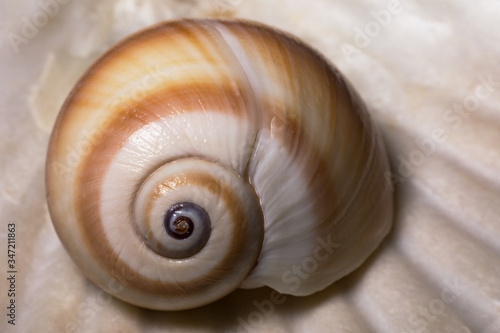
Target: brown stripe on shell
x=173 y=33
x=91 y=169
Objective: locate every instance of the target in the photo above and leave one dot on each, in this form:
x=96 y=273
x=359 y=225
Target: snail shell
x=199 y=156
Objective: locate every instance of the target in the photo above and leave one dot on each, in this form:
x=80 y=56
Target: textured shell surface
x=259 y=145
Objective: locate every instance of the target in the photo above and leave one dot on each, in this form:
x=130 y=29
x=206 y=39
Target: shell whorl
x=240 y=120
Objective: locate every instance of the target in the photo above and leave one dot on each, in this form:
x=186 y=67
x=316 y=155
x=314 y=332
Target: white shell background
x=429 y=72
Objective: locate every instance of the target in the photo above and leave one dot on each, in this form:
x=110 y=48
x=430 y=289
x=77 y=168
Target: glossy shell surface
x=239 y=119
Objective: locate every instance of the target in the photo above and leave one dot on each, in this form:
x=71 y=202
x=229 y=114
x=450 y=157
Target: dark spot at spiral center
x=185 y=219
x=183 y=227
x=180 y=228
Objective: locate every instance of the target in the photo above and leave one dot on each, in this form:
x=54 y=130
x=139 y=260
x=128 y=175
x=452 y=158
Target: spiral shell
x=199 y=156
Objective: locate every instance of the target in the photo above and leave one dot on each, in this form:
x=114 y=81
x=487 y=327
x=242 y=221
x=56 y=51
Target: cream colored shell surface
x=437 y=271
x=291 y=171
